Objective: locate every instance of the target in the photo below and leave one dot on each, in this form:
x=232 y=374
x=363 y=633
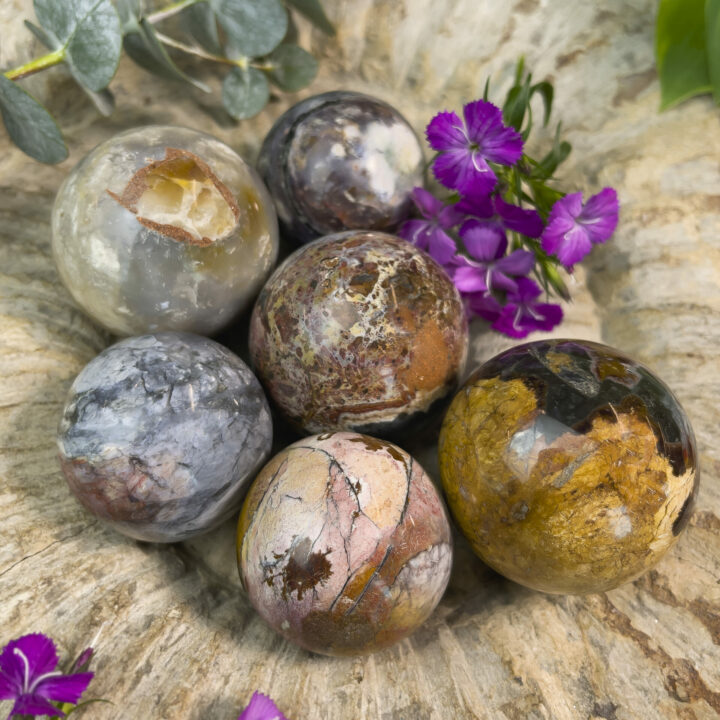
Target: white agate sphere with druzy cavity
x=163 y=228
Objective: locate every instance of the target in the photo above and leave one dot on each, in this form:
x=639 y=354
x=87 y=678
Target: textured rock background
x=179 y=639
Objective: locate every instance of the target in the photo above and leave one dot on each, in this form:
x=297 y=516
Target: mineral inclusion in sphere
x=359 y=331
x=568 y=466
x=344 y=545
x=341 y=161
x=162 y=435
x=163 y=228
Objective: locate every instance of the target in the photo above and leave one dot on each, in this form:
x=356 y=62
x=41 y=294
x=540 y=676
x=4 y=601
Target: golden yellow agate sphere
x=568 y=466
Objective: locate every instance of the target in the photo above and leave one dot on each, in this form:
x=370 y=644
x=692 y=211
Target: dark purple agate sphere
x=340 y=161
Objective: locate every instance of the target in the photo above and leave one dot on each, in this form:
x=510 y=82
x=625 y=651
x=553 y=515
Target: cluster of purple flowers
x=493 y=274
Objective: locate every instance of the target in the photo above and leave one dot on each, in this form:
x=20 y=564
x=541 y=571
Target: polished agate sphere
x=341 y=161
x=163 y=228
x=359 y=331
x=161 y=435
x=344 y=545
x=569 y=467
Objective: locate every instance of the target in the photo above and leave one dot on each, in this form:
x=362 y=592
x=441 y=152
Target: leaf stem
x=170 y=10
x=36 y=65
x=191 y=50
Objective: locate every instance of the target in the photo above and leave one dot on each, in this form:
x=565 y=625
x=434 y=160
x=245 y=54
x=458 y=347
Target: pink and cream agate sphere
x=344 y=545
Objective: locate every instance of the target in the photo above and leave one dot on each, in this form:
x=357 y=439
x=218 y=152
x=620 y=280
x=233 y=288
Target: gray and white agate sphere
x=163 y=228
x=162 y=434
x=341 y=161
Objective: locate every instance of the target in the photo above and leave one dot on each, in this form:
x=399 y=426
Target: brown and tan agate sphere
x=359 y=331
x=570 y=467
x=344 y=545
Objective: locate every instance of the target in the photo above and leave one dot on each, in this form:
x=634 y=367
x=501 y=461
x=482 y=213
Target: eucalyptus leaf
x=712 y=41
x=129 y=12
x=104 y=101
x=90 y=32
x=680 y=49
x=42 y=36
x=314 y=12
x=144 y=48
x=245 y=92
x=200 y=23
x=30 y=125
x=293 y=68
x=253 y=27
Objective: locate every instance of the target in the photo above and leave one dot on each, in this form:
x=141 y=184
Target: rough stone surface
x=179 y=639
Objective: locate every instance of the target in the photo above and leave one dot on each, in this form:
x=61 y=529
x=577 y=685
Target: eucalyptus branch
x=36 y=65
x=170 y=10
x=193 y=50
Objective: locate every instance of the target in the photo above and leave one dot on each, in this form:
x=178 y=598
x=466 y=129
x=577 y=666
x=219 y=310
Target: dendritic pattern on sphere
x=344 y=545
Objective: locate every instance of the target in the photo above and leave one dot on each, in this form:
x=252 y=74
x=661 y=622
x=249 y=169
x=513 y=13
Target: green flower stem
x=36 y=65
x=192 y=50
x=170 y=10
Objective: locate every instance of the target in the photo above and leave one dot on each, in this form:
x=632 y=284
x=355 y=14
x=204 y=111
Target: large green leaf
x=200 y=23
x=681 y=52
x=146 y=50
x=245 y=92
x=293 y=67
x=29 y=124
x=712 y=39
x=90 y=32
x=313 y=11
x=253 y=27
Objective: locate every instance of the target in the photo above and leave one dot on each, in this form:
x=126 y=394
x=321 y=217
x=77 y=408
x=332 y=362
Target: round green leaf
x=293 y=68
x=245 y=92
x=29 y=124
x=253 y=27
x=90 y=32
x=313 y=11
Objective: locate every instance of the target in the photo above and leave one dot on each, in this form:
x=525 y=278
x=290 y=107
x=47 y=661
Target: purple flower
x=523 y=314
x=466 y=148
x=261 y=707
x=28 y=676
x=493 y=211
x=573 y=227
x=429 y=234
x=484 y=305
x=490 y=269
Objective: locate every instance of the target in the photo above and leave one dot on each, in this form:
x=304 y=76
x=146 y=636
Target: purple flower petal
x=570 y=246
x=527 y=222
x=484 y=305
x=483 y=242
x=527 y=291
x=449 y=217
x=64 y=688
x=426 y=202
x=519 y=262
x=470 y=279
x=261 y=707
x=39 y=651
x=415 y=231
x=497 y=142
x=476 y=202
x=522 y=314
x=34 y=705
x=441 y=246
x=600 y=215
x=462 y=169
x=446 y=132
